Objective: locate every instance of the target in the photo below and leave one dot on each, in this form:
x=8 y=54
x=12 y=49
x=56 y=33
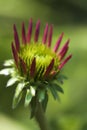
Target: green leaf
x=11 y=81
x=41 y=95
x=18 y=94
x=6 y=71
x=44 y=102
x=28 y=98
x=58 y=88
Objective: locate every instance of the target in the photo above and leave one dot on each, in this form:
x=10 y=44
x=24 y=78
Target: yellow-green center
x=43 y=56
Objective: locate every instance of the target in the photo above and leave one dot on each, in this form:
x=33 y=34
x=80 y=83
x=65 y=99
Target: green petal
x=28 y=98
x=11 y=81
x=18 y=94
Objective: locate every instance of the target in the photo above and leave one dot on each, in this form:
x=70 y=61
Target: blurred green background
x=70 y=17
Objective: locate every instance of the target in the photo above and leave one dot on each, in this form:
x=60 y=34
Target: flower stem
x=40 y=118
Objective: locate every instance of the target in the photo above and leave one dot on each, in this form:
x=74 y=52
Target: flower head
x=35 y=66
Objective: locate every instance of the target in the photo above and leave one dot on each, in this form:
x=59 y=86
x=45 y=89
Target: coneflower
x=36 y=67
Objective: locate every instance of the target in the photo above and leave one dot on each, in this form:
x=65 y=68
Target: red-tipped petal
x=64 y=47
x=64 y=62
x=58 y=43
x=45 y=34
x=37 y=30
x=50 y=36
x=33 y=67
x=49 y=68
x=16 y=38
x=23 y=66
x=62 y=55
x=15 y=54
x=29 y=31
x=23 y=34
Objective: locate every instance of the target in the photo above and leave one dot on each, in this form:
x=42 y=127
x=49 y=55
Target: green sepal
x=34 y=106
x=18 y=94
x=57 y=87
x=28 y=97
x=53 y=91
x=44 y=102
x=41 y=95
x=6 y=71
x=32 y=90
x=11 y=81
x=9 y=62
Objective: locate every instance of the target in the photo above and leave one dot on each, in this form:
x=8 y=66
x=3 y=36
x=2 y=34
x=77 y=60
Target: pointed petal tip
x=56 y=47
x=69 y=57
x=14 y=26
x=62 y=33
x=46 y=24
x=51 y=28
x=23 y=23
x=64 y=49
x=38 y=21
x=45 y=34
x=50 y=36
x=31 y=19
x=62 y=55
x=65 y=61
x=16 y=38
x=29 y=33
x=37 y=31
x=15 y=55
x=23 y=33
x=68 y=41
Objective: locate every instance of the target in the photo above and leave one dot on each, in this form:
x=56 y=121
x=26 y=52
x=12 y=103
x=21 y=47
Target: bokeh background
x=70 y=17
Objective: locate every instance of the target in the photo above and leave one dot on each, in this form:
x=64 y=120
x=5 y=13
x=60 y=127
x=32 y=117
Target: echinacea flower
x=36 y=66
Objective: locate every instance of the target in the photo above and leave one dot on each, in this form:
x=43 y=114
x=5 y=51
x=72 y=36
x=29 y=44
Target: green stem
x=40 y=118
